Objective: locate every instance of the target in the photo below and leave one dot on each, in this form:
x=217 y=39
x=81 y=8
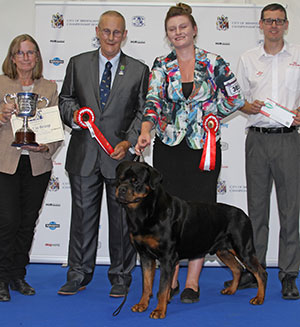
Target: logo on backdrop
x=58 y=80
x=53 y=184
x=224 y=146
x=57 y=41
x=222 y=43
x=221 y=187
x=57 y=20
x=95 y=42
x=52 y=225
x=238 y=188
x=138 y=21
x=222 y=23
x=137 y=42
x=52 y=244
x=56 y=61
x=50 y=204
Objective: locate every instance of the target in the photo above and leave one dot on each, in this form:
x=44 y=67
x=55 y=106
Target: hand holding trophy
x=26 y=104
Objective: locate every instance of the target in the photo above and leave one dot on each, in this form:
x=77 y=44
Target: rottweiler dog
x=168 y=229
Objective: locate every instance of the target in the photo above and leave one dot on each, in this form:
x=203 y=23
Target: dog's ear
x=121 y=168
x=155 y=178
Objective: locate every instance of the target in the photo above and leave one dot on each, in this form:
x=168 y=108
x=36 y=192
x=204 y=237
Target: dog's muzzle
x=123 y=197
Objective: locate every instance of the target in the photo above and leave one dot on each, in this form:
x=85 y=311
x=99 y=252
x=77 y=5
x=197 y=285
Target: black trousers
x=86 y=206
x=21 y=198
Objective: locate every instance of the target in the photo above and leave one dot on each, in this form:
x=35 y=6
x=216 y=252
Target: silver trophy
x=26 y=103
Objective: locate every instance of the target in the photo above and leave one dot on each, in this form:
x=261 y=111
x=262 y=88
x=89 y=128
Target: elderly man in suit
x=118 y=113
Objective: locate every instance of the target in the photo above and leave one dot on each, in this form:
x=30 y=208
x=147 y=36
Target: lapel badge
x=122 y=68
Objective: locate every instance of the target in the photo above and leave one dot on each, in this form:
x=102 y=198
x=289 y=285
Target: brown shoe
x=118 y=290
x=71 y=287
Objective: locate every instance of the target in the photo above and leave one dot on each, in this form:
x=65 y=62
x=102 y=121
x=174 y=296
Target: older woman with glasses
x=24 y=171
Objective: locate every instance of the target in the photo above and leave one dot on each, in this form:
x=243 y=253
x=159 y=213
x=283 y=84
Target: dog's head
x=135 y=181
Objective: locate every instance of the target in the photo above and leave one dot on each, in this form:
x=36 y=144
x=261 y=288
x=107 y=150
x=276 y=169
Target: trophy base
x=24 y=138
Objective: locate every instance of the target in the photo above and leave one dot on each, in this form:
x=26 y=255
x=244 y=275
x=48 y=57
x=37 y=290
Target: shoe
x=71 y=287
x=21 y=286
x=190 y=296
x=174 y=291
x=247 y=281
x=289 y=288
x=118 y=290
x=4 y=292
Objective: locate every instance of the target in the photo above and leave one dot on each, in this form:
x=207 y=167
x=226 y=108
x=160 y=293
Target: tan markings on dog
x=138 y=197
x=133 y=198
x=160 y=311
x=148 y=277
x=229 y=259
x=148 y=239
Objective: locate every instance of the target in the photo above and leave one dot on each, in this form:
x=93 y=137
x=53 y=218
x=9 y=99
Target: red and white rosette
x=95 y=133
x=208 y=160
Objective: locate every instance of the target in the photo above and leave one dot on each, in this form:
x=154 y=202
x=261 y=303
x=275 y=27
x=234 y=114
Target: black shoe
x=21 y=286
x=174 y=291
x=4 y=292
x=247 y=281
x=118 y=290
x=289 y=288
x=71 y=287
x=189 y=295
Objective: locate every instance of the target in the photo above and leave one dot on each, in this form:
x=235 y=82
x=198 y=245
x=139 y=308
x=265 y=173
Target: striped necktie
x=105 y=84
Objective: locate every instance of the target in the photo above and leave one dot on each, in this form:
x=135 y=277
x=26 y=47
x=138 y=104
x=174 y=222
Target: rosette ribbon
x=94 y=131
x=208 y=159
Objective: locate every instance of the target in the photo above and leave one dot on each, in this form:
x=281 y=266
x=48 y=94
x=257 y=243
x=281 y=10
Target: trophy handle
x=44 y=99
x=12 y=96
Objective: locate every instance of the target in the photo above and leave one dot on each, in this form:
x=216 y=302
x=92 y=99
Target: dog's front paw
x=257 y=300
x=158 y=314
x=140 y=307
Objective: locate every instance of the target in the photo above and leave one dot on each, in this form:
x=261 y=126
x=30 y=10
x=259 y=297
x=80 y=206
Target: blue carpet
x=93 y=307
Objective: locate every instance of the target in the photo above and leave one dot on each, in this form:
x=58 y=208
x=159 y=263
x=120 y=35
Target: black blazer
x=121 y=118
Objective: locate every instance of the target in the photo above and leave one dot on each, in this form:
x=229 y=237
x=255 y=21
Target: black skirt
x=182 y=176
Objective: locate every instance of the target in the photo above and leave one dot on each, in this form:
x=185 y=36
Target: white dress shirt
x=277 y=77
x=114 y=62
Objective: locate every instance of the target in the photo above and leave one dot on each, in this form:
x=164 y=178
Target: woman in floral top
x=185 y=87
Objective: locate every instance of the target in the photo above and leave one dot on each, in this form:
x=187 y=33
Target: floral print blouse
x=215 y=91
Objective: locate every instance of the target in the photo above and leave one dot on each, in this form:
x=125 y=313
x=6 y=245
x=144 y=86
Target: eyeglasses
x=29 y=53
x=270 y=21
x=107 y=32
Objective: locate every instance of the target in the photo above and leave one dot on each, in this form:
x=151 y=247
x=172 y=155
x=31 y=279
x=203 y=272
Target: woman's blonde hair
x=9 y=67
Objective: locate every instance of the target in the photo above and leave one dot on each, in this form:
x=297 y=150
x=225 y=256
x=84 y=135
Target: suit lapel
x=94 y=75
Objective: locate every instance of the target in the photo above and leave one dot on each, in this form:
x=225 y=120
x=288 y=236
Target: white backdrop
x=64 y=29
